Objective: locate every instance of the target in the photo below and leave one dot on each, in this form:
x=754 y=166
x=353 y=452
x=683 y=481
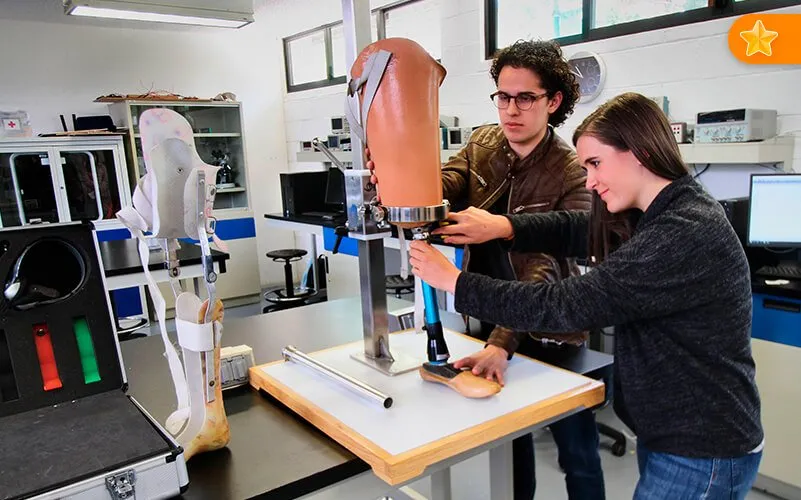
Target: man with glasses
x=523 y=166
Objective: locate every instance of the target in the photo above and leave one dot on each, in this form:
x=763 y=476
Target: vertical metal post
x=374 y=298
x=356 y=26
x=372 y=275
x=500 y=459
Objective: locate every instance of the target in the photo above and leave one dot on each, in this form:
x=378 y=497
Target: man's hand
x=475 y=226
x=489 y=362
x=432 y=267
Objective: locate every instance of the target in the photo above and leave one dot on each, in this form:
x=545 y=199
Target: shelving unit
x=217 y=126
x=347 y=156
x=776 y=150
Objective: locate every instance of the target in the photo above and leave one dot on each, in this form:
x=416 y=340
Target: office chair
x=399 y=286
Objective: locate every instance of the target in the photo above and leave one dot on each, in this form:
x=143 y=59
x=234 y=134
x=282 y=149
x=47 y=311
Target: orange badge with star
x=766 y=39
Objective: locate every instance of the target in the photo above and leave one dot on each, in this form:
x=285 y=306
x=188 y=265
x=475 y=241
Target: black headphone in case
x=46 y=272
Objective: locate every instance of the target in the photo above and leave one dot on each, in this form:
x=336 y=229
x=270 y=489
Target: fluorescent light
x=196 y=12
x=154 y=17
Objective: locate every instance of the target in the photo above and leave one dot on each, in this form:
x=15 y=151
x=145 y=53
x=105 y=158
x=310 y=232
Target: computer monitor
x=774 y=210
x=335 y=190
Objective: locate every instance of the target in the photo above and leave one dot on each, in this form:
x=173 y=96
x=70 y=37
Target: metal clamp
x=418 y=215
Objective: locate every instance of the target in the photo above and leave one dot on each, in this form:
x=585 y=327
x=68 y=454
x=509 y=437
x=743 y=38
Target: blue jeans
x=673 y=477
x=577 y=441
x=576 y=436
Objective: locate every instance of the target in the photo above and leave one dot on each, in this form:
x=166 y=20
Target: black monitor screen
x=774 y=209
x=335 y=189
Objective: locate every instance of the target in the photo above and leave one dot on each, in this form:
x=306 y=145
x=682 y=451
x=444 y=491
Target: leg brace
x=173 y=200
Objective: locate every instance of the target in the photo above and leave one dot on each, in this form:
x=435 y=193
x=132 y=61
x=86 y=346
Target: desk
x=272 y=453
x=776 y=348
x=123 y=268
x=314 y=226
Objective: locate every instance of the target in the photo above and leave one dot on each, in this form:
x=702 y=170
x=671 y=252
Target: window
x=316 y=58
x=308 y=57
x=574 y=21
x=533 y=20
x=418 y=21
x=612 y=12
x=313 y=66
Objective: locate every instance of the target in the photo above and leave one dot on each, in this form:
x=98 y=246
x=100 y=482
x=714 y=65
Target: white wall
x=53 y=64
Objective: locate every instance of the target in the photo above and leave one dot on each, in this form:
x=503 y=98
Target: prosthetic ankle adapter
x=393 y=102
x=173 y=200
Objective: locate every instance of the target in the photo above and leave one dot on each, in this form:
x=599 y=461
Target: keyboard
x=784 y=271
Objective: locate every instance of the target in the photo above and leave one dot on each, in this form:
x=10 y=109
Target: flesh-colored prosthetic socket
x=173 y=200
x=393 y=106
x=400 y=111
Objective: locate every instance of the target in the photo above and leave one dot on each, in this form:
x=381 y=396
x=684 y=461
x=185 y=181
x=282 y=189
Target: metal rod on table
x=291 y=353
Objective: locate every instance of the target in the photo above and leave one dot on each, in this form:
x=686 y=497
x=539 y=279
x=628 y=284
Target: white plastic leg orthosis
x=173 y=200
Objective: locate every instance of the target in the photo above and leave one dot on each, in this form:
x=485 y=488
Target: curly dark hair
x=545 y=59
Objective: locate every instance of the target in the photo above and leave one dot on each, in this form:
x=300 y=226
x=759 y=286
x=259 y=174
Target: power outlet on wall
x=679 y=131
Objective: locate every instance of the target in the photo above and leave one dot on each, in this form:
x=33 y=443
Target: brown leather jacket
x=549 y=178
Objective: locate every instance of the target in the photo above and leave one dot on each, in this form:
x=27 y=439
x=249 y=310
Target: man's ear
x=555 y=102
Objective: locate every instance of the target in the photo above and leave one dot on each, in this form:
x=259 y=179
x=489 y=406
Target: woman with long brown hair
x=667 y=271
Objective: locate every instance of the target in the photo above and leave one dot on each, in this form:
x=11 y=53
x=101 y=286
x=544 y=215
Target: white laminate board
x=423 y=412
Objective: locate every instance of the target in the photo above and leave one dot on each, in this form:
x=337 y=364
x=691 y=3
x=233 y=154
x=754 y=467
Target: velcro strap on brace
x=195 y=337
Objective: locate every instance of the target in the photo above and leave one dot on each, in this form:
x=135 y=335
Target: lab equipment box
x=68 y=428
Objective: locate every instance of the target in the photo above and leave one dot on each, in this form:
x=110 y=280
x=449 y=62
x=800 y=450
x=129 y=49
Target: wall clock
x=590 y=72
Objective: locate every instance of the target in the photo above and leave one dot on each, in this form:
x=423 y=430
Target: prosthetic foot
x=437 y=369
x=461 y=381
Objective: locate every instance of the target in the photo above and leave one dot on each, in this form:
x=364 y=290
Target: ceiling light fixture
x=238 y=14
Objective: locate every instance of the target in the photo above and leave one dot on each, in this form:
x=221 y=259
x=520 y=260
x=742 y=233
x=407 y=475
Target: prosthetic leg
x=173 y=200
x=393 y=108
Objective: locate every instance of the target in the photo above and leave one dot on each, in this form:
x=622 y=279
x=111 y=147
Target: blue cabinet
x=777 y=319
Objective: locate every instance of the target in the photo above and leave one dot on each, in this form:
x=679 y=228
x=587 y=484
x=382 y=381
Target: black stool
x=400 y=286
x=289 y=296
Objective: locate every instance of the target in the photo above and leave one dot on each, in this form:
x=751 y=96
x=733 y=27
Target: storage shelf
x=210 y=134
x=347 y=156
x=230 y=190
x=776 y=150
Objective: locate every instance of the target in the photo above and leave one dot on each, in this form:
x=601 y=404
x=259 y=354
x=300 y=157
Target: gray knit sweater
x=679 y=295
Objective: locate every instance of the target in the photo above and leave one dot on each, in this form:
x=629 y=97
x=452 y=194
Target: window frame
x=380 y=12
x=716 y=9
x=329 y=66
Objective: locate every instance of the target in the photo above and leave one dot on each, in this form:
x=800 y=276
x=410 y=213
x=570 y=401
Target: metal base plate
x=403 y=363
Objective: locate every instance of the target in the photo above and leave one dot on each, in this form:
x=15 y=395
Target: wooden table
x=273 y=453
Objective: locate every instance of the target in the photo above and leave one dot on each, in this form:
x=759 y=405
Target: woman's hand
x=489 y=362
x=475 y=226
x=431 y=266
